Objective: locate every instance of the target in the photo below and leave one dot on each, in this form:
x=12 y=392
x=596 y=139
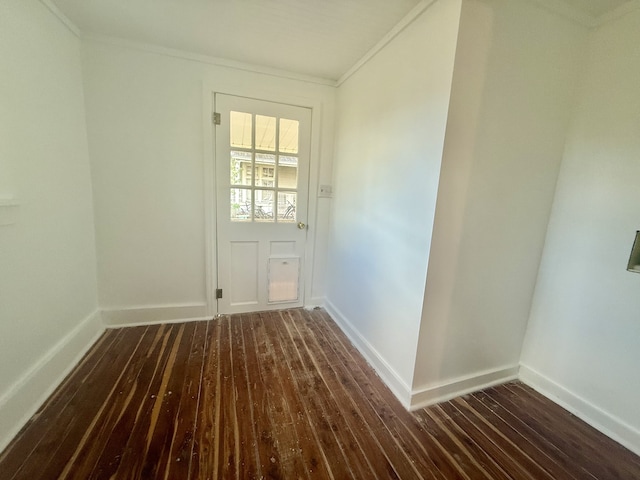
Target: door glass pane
x=287 y=207
x=287 y=172
x=288 y=136
x=240 y=168
x=241 y=129
x=240 y=205
x=265 y=170
x=265 y=133
x=264 y=206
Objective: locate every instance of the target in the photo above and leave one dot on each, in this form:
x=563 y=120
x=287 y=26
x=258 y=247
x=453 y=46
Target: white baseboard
x=26 y=396
x=154 y=314
x=442 y=392
x=599 y=419
x=388 y=375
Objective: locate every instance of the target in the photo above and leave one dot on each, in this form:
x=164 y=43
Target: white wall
x=492 y=180
x=582 y=341
x=390 y=132
x=515 y=73
x=47 y=251
x=147 y=143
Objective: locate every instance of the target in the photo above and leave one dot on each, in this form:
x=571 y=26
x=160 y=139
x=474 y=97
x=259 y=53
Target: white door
x=262 y=174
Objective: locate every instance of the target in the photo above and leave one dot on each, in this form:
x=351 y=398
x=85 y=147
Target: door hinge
x=218 y=293
x=216 y=118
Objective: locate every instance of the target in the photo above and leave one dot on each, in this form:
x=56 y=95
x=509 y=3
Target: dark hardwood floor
x=285 y=395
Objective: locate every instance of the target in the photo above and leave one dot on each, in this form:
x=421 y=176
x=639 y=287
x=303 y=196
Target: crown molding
x=619 y=12
x=568 y=12
x=408 y=19
x=209 y=60
x=66 y=21
x=590 y=21
x=555 y=6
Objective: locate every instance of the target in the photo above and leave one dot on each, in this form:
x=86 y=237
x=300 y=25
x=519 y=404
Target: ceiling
x=596 y=8
x=320 y=38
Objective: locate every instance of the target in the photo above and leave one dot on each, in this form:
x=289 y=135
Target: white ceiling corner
x=310 y=37
x=324 y=39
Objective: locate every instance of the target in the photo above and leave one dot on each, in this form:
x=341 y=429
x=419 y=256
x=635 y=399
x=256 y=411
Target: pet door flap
x=283 y=279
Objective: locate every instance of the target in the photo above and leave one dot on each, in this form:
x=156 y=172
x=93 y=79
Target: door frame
x=210 y=204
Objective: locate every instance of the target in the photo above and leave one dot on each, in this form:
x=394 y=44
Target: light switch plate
x=325 y=191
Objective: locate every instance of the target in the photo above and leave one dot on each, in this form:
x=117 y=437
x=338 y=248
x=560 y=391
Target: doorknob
x=301 y=226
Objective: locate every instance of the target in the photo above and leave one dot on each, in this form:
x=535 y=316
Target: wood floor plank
x=557 y=431
x=204 y=463
x=50 y=459
x=328 y=392
x=181 y=451
x=345 y=385
x=127 y=454
x=56 y=411
x=402 y=428
x=112 y=427
x=251 y=464
x=312 y=460
x=496 y=445
x=481 y=463
x=285 y=395
x=538 y=453
x=167 y=403
x=341 y=385
x=119 y=415
x=305 y=383
x=363 y=454
x=230 y=435
x=265 y=418
x=580 y=431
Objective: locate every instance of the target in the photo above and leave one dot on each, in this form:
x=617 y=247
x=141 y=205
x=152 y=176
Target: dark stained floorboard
x=284 y=395
x=57 y=410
